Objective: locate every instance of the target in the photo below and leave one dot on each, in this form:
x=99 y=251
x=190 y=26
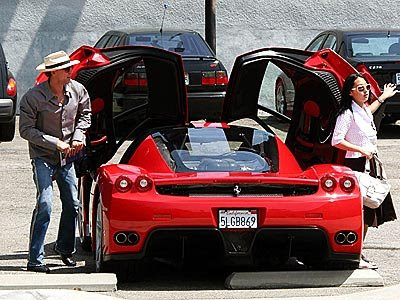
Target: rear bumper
x=6 y=109
x=311 y=221
x=205 y=105
x=308 y=244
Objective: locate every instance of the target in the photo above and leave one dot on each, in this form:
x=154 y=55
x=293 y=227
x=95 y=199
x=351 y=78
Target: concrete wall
x=30 y=29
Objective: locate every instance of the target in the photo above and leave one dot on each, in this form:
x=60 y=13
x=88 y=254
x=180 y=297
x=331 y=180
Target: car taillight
x=143 y=183
x=12 y=87
x=347 y=184
x=221 y=78
x=214 y=78
x=328 y=183
x=135 y=79
x=123 y=184
x=131 y=79
x=208 y=78
x=142 y=79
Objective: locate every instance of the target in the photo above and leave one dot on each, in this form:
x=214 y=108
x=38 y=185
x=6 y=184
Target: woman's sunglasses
x=362 y=88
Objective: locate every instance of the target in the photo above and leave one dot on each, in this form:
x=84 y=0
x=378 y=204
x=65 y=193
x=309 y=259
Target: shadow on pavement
x=17 y=261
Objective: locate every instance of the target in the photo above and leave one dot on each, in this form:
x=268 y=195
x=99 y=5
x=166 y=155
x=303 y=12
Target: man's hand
x=63 y=147
x=76 y=147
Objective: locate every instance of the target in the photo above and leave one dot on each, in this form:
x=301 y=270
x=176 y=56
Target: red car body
x=297 y=200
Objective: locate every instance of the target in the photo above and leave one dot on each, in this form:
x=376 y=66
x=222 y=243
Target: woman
x=355 y=133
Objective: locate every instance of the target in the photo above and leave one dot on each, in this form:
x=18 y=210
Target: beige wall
x=30 y=29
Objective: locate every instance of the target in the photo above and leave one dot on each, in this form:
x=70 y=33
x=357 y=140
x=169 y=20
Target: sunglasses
x=362 y=88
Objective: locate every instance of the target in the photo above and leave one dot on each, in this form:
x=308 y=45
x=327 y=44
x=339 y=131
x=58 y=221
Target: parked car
x=230 y=193
x=8 y=100
x=205 y=76
x=375 y=50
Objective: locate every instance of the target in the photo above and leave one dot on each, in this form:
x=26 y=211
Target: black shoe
x=66 y=259
x=39 y=269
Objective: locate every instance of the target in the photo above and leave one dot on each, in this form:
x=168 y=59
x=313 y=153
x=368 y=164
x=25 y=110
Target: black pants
x=385 y=212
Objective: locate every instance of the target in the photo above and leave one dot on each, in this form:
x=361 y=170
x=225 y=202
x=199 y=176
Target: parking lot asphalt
x=17 y=195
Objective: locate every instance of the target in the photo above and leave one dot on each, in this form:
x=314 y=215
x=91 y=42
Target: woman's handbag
x=373 y=189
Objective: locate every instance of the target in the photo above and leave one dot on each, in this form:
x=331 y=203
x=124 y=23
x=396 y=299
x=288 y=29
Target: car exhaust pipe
x=133 y=238
x=351 y=237
x=340 y=238
x=121 y=238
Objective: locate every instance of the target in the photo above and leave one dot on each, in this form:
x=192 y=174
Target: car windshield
x=374 y=45
x=232 y=149
x=184 y=43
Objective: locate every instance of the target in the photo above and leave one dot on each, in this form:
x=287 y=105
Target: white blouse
x=356 y=127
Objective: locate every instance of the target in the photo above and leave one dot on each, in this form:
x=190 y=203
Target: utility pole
x=210 y=29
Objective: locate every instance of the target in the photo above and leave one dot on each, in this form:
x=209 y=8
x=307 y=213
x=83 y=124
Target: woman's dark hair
x=346 y=98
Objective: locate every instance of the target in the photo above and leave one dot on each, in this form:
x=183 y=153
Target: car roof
x=150 y=31
x=358 y=30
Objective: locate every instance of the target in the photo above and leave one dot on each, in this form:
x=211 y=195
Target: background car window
x=102 y=42
x=277 y=93
x=316 y=44
x=377 y=44
x=113 y=41
x=129 y=94
x=330 y=42
x=186 y=44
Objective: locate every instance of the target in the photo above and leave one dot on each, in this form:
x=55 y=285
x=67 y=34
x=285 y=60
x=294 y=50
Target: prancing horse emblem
x=236 y=190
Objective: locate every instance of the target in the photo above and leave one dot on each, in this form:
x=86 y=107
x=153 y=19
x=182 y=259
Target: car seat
x=307 y=126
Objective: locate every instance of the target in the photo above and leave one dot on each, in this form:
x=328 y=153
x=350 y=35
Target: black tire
x=101 y=265
x=84 y=238
x=280 y=97
x=127 y=271
x=7 y=131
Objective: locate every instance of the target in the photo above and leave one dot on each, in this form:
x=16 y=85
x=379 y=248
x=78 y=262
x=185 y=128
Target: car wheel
x=86 y=241
x=280 y=97
x=84 y=238
x=7 y=131
x=100 y=264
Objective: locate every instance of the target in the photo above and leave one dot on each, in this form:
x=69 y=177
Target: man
x=54 y=117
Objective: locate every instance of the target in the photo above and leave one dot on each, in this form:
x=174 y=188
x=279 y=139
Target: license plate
x=187 y=78
x=240 y=218
x=397 y=78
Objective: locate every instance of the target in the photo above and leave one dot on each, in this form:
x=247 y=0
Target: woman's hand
x=366 y=153
x=389 y=90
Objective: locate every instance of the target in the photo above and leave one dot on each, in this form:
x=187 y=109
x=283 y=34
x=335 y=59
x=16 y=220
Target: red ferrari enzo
x=231 y=192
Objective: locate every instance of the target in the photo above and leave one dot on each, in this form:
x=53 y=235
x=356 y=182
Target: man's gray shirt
x=43 y=120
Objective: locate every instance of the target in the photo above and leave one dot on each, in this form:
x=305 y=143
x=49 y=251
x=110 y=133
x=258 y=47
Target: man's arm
x=83 y=121
x=27 y=125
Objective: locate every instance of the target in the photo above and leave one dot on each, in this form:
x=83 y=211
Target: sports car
x=230 y=192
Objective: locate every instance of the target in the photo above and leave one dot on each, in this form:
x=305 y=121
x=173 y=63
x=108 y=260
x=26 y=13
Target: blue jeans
x=43 y=175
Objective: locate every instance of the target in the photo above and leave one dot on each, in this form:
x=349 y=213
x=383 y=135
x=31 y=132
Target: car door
x=317 y=77
x=118 y=114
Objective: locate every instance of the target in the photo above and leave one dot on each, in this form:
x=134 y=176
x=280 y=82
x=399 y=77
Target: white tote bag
x=374 y=190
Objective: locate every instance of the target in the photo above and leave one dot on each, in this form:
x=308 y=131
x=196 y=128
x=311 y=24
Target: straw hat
x=56 y=61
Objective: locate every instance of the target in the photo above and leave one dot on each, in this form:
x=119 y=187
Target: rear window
x=374 y=45
x=233 y=149
x=184 y=43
